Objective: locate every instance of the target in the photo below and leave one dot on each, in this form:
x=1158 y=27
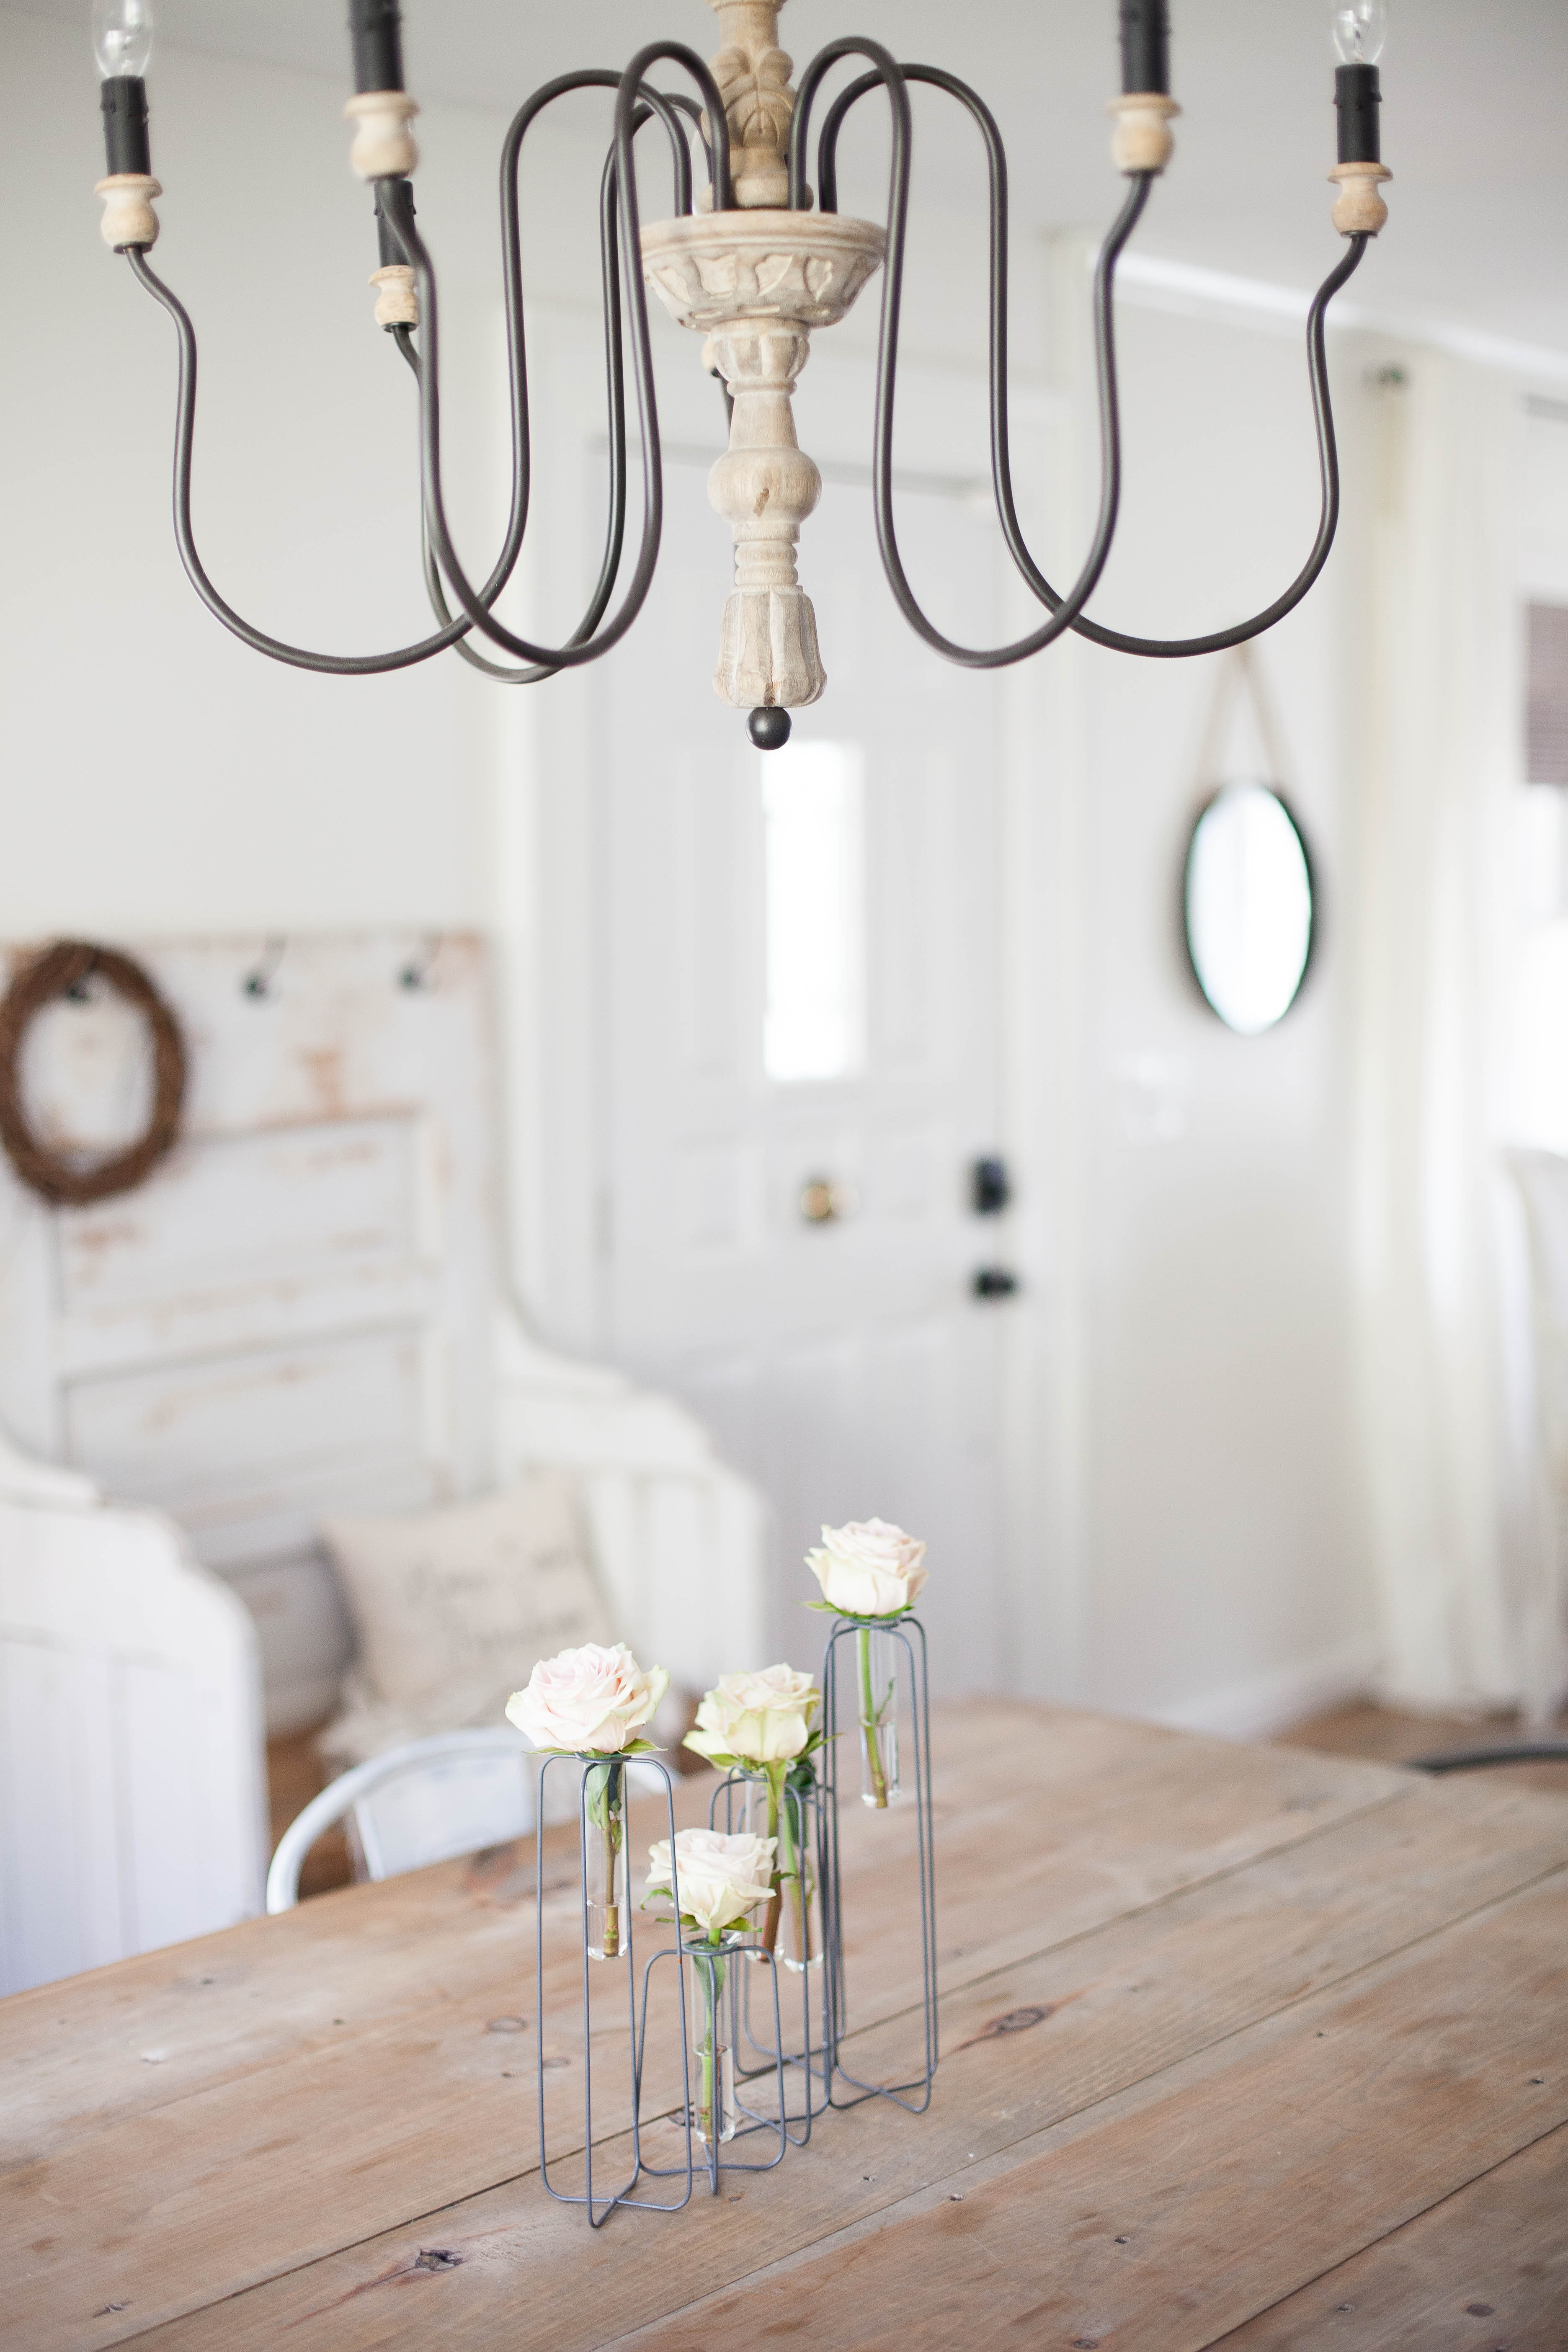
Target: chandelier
x=750 y=261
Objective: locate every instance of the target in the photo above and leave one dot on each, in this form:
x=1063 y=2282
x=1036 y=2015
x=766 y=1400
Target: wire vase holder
x=794 y=1932
x=717 y=1978
x=604 y=1891
x=876 y=1667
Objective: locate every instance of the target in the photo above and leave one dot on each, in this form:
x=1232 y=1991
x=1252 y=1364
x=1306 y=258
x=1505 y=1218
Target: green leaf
x=848 y=1616
x=602 y=1755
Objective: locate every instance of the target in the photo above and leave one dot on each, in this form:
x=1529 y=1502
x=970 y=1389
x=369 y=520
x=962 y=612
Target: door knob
x=822 y=1202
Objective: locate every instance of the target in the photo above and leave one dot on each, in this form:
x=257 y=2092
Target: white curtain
x=1457 y=1567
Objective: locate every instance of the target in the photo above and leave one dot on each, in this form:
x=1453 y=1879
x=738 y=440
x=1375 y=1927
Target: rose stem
x=612 y=1855
x=707 y=2094
x=790 y=1867
x=771 y=1918
x=869 y=1726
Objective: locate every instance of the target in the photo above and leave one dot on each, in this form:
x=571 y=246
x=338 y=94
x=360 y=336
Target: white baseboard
x=1271 y=1703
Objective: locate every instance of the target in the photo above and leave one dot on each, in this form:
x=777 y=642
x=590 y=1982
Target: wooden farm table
x=1241 y=2045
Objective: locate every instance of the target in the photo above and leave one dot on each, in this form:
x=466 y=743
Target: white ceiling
x=1476 y=96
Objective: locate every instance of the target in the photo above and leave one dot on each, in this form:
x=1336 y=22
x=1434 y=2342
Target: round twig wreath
x=62 y=971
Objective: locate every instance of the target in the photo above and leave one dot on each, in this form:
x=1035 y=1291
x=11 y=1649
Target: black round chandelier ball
x=768 y=728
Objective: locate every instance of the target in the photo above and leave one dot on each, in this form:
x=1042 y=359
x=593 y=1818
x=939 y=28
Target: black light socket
x=392 y=253
x=376 y=26
x=1145 y=46
x=1358 y=97
x=126 y=145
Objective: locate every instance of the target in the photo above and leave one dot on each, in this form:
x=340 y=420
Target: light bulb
x=1360 y=29
x=122 y=37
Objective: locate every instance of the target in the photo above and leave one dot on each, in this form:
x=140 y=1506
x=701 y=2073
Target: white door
x=801 y=1014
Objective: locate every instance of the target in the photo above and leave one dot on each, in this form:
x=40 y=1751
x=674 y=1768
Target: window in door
x=813 y=1025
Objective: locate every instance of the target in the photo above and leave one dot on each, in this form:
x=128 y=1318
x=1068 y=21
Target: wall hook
x=415 y=974
x=257 y=981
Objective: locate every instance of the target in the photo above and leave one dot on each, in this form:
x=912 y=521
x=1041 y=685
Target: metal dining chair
x=425 y=1802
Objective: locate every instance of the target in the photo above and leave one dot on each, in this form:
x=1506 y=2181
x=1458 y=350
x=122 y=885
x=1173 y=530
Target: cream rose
x=589 y=1700
x=721 y=1878
x=869 y=1569
x=763 y=1718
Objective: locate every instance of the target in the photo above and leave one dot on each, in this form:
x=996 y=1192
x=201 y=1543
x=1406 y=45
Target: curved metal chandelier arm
x=453 y=631
x=532 y=676
x=689 y=107
x=298 y=656
x=399 y=215
x=615 y=376
x=895 y=79
x=1221 y=640
x=1001 y=433
x=886 y=70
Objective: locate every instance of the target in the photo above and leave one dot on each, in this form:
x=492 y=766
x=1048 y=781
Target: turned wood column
x=765 y=486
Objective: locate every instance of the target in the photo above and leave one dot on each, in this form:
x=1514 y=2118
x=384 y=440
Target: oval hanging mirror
x=1249 y=906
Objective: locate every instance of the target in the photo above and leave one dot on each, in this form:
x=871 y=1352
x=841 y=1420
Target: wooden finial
x=384 y=146
x=397 y=304
x=1359 y=210
x=128 y=215
x=753 y=77
x=1142 y=140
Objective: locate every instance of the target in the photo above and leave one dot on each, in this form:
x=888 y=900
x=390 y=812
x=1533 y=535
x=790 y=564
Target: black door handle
x=995 y=1282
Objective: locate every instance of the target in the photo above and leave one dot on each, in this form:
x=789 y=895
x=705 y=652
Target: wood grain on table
x=1240 y=2044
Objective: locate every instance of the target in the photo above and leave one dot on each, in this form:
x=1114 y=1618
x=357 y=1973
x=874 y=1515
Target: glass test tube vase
x=877 y=1715
x=606 y=1878
x=715 y=2117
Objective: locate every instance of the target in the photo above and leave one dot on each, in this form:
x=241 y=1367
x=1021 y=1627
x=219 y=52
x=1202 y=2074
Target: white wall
x=1185 y=1513
x=155 y=774
x=1196 y=1510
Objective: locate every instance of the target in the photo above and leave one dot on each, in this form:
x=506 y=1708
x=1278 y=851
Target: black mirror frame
x=1313 y=910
